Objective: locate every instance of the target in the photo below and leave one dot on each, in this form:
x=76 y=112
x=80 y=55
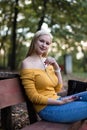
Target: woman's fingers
x=52 y=61
x=69 y=99
x=49 y=60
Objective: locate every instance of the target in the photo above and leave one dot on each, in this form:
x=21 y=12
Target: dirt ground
x=20 y=116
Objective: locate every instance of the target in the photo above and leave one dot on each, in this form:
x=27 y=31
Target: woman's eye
x=48 y=43
x=41 y=40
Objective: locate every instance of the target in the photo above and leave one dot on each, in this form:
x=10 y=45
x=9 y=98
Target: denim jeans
x=70 y=112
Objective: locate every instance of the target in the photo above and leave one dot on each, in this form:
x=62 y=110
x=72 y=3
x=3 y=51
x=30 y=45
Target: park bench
x=12 y=93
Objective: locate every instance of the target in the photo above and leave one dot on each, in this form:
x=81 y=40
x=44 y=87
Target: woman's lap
x=69 y=112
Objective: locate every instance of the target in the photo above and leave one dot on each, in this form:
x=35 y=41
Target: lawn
x=74 y=76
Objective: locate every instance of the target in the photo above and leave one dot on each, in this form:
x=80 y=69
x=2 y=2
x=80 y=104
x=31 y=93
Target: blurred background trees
x=65 y=19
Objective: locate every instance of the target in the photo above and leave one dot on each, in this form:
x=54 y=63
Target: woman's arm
x=52 y=61
x=62 y=101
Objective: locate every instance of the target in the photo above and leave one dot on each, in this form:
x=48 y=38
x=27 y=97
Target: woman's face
x=42 y=44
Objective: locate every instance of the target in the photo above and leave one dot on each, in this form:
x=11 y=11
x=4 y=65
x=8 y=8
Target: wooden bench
x=12 y=93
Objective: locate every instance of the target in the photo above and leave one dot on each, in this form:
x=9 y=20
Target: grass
x=74 y=76
x=80 y=76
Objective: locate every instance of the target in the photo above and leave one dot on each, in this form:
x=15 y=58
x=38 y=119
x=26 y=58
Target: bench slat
x=44 y=125
x=10 y=92
x=84 y=125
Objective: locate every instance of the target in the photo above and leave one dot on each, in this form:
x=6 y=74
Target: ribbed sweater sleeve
x=28 y=81
x=58 y=88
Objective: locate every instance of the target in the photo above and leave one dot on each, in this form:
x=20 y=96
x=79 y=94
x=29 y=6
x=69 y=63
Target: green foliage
x=67 y=20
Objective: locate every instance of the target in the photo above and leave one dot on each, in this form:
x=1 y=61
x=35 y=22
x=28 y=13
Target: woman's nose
x=44 y=44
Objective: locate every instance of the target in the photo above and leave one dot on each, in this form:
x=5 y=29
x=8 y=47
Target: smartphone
x=75 y=97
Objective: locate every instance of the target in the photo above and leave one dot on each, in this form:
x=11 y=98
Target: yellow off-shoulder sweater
x=40 y=85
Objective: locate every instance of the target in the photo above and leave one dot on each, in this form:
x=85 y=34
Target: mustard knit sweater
x=40 y=85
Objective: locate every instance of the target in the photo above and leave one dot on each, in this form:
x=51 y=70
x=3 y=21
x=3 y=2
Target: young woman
x=42 y=80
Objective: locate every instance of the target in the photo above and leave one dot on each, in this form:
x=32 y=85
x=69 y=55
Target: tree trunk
x=43 y=14
x=13 y=38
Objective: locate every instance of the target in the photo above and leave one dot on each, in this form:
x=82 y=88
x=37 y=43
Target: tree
x=66 y=19
x=13 y=38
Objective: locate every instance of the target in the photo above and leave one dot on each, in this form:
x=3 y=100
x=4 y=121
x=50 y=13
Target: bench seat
x=44 y=125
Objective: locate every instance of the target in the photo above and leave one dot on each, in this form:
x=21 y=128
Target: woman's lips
x=43 y=49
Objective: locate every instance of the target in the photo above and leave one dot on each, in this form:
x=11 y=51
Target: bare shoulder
x=26 y=63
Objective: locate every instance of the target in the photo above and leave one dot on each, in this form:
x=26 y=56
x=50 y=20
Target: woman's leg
x=70 y=112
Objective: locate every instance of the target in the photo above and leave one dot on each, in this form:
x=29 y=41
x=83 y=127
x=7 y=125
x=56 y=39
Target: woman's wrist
x=58 y=70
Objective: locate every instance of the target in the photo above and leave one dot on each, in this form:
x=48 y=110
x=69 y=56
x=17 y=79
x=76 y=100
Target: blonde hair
x=36 y=36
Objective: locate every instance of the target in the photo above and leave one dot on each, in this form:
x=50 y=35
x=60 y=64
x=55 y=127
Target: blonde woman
x=42 y=80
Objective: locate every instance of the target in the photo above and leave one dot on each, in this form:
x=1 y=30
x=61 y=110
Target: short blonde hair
x=36 y=36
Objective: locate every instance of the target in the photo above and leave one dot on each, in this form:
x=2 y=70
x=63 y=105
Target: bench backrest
x=12 y=93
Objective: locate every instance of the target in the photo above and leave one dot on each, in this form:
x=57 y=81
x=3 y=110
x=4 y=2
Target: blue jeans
x=70 y=112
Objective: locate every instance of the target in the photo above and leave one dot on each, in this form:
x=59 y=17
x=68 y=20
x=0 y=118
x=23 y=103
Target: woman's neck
x=35 y=55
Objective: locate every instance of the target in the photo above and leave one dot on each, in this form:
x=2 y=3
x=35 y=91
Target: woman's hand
x=52 y=61
x=68 y=99
x=62 y=101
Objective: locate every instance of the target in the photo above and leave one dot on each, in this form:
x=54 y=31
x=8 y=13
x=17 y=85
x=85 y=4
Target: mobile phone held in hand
x=76 y=97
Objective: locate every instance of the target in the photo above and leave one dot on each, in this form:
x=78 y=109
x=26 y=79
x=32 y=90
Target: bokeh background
x=65 y=19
